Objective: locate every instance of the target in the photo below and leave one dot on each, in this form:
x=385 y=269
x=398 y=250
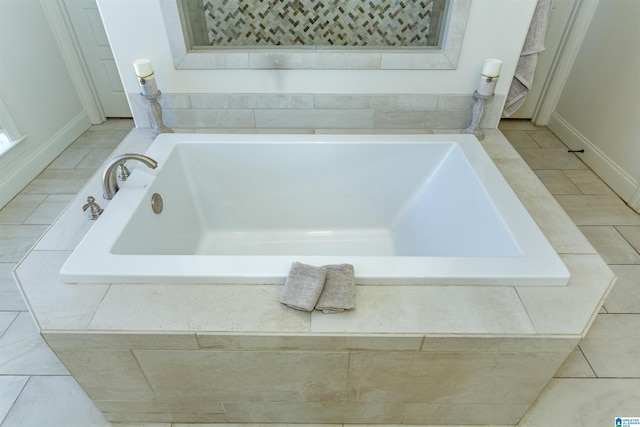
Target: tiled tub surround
x=407 y=354
x=304 y=111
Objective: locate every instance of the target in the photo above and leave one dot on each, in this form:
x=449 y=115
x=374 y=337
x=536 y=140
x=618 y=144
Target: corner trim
x=67 y=41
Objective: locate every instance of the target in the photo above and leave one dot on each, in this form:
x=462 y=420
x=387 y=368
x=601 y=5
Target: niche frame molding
x=319 y=58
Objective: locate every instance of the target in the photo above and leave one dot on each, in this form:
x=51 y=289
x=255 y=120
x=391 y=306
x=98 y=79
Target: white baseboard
x=610 y=172
x=21 y=176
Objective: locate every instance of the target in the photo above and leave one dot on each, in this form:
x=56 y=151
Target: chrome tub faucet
x=109 y=180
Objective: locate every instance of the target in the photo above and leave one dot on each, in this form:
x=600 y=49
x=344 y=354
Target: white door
x=560 y=15
x=96 y=50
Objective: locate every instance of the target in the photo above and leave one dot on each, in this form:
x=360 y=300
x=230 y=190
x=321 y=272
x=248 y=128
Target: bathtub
x=403 y=209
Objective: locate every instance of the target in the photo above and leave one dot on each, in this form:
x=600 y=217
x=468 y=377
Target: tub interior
x=395 y=199
x=403 y=209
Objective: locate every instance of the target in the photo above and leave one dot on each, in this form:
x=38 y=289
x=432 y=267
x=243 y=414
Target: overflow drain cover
x=156 y=203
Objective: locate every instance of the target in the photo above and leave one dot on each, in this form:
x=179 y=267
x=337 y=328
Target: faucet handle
x=123 y=172
x=94 y=209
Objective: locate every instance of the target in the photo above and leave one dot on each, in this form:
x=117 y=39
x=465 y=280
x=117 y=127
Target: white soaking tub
x=403 y=209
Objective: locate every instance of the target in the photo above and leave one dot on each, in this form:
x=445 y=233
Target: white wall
x=496 y=28
x=38 y=93
x=599 y=108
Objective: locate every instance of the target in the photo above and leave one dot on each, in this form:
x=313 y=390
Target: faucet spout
x=109 y=181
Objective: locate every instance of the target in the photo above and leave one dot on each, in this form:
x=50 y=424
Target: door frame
x=67 y=40
x=570 y=43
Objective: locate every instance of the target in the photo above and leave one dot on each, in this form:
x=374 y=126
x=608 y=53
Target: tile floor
x=599 y=381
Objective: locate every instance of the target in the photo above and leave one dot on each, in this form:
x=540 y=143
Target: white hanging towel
x=533 y=45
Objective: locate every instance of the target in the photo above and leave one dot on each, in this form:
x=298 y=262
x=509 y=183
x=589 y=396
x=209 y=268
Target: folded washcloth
x=339 y=291
x=303 y=286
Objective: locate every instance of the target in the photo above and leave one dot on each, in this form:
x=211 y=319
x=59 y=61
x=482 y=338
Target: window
x=9 y=135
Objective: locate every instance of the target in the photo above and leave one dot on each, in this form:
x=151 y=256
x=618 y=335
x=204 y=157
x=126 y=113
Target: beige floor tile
x=6 y=319
x=24 y=352
x=122 y=124
x=10 y=388
x=520 y=139
x=543 y=158
x=576 y=366
x=557 y=182
x=610 y=244
x=16 y=240
x=57 y=181
x=100 y=139
x=10 y=297
x=598 y=210
x=18 y=209
x=631 y=235
x=56 y=401
x=95 y=158
x=49 y=210
x=625 y=295
x=546 y=139
x=69 y=158
x=612 y=346
x=588 y=182
x=517 y=124
x=584 y=403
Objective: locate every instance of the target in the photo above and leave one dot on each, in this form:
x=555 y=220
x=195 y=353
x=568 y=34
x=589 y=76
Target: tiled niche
x=437 y=46
x=340 y=23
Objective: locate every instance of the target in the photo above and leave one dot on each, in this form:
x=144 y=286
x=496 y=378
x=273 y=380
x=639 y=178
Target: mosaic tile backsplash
x=337 y=23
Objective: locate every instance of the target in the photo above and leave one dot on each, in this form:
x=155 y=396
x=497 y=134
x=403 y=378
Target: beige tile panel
x=55 y=304
x=464 y=414
x=316 y=342
x=502 y=344
x=173 y=406
x=121 y=340
x=367 y=414
x=449 y=378
x=231 y=376
x=429 y=309
x=152 y=418
x=197 y=307
x=569 y=309
x=314 y=118
x=107 y=374
x=557 y=226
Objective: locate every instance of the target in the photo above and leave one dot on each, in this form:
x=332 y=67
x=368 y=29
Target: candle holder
x=151 y=93
x=478 y=112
